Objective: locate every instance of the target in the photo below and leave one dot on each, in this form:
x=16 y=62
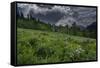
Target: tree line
x=32 y=23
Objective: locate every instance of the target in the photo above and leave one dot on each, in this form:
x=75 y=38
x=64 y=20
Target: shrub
x=33 y=42
x=44 y=52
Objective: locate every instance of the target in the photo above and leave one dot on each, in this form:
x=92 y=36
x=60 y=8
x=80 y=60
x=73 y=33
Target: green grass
x=34 y=46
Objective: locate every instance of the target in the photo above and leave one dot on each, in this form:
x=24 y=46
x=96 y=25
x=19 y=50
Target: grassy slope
x=34 y=46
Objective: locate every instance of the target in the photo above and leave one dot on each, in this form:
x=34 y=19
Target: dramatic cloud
x=59 y=15
x=36 y=9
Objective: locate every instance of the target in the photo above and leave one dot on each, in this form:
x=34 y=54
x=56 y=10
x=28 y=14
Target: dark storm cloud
x=59 y=15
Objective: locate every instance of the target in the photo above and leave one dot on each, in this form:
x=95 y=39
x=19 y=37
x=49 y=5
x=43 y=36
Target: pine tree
x=21 y=15
x=74 y=28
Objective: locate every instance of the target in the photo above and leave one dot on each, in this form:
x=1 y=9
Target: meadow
x=36 y=46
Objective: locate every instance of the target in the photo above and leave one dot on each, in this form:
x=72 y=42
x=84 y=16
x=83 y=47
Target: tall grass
x=34 y=46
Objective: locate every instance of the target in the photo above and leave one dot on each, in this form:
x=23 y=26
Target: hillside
x=35 y=46
x=32 y=23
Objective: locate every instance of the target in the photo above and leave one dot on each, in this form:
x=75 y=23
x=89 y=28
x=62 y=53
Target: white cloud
x=21 y=5
x=36 y=9
x=66 y=21
x=62 y=9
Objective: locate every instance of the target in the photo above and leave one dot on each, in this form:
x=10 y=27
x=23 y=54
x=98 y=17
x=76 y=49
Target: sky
x=59 y=15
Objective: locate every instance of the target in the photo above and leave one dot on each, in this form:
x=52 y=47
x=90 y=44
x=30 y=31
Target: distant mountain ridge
x=92 y=26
